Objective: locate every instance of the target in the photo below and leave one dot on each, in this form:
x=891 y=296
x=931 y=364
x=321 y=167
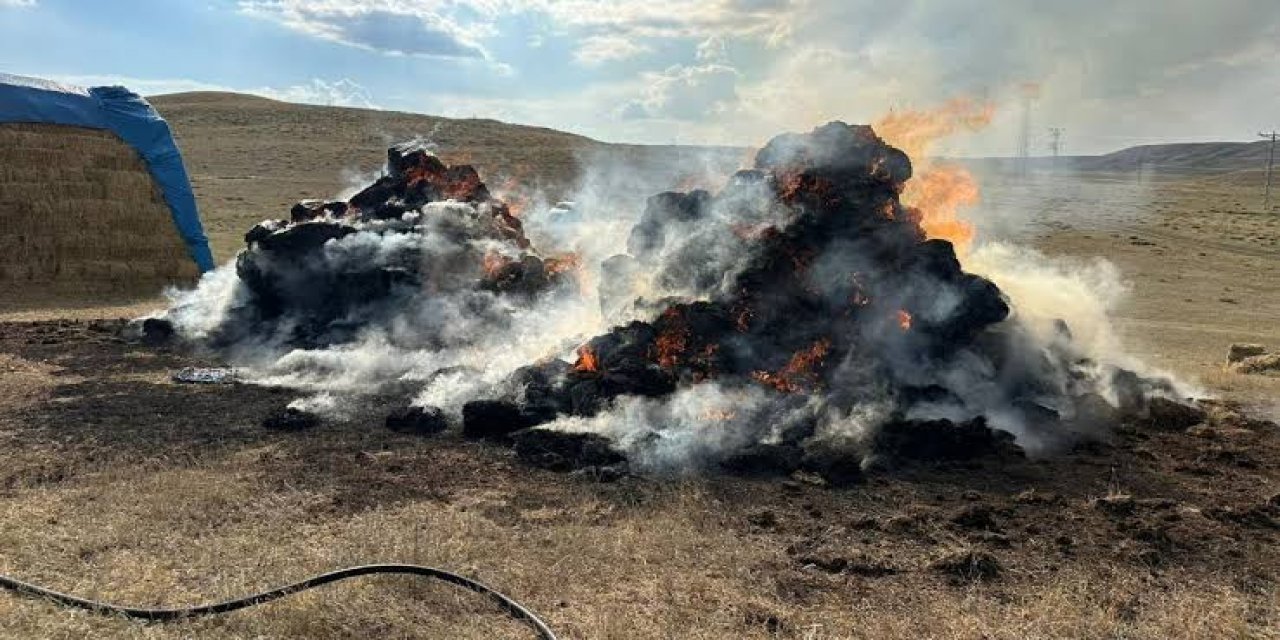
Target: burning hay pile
x=333 y=268
x=800 y=318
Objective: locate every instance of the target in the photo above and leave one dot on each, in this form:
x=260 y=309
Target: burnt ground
x=119 y=483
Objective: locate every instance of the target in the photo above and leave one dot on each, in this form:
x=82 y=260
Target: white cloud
x=659 y=18
x=397 y=28
x=712 y=50
x=339 y=93
x=699 y=92
x=596 y=50
x=17 y=4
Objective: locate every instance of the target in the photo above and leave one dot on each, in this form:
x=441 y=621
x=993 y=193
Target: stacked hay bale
x=82 y=216
x=1252 y=359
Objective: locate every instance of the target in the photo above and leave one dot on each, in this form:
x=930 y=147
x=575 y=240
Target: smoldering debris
x=333 y=268
x=417 y=420
x=798 y=319
x=823 y=298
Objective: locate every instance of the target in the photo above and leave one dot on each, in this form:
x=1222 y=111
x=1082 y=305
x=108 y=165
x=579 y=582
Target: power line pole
x=1055 y=140
x=1271 y=162
x=1024 y=136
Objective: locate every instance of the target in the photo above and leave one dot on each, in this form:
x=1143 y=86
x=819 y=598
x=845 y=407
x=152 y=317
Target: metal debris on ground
x=206 y=375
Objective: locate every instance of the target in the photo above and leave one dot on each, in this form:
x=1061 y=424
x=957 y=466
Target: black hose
x=511 y=607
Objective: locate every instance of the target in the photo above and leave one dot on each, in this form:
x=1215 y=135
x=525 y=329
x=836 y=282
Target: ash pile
x=797 y=320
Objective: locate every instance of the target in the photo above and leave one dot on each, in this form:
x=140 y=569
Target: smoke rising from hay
x=798 y=315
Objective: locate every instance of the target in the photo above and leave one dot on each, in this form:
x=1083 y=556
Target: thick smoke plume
x=802 y=317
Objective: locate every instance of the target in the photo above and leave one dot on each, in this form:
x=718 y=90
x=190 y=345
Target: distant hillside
x=252 y=157
x=1187 y=156
x=1180 y=157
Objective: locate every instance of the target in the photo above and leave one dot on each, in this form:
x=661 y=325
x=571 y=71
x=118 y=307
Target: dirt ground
x=119 y=484
x=122 y=485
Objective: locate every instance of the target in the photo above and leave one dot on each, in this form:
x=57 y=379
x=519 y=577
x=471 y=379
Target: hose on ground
x=511 y=607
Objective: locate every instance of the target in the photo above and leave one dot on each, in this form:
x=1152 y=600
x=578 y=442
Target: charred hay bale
x=940 y=440
x=301 y=240
x=1091 y=411
x=156 y=332
x=565 y=451
x=417 y=176
x=764 y=459
x=854 y=153
x=1170 y=415
x=670 y=208
x=290 y=419
x=308 y=210
x=494 y=419
x=526 y=276
x=1133 y=391
x=980 y=302
x=260 y=231
x=417 y=420
x=383 y=191
x=840 y=467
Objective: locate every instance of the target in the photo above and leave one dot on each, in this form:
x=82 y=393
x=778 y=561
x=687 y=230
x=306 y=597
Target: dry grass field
x=122 y=485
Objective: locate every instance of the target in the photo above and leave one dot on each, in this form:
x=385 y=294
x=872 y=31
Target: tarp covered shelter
x=33 y=111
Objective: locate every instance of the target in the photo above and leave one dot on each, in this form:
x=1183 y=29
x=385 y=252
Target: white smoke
x=447 y=343
x=691 y=428
x=1083 y=293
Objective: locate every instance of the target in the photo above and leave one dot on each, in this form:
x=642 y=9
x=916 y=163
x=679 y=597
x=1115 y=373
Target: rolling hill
x=1188 y=156
x=250 y=158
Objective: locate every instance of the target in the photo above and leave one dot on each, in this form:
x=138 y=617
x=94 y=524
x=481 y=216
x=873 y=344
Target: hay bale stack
x=81 y=215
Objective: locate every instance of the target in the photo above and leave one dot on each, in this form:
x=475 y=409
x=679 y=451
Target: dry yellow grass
x=168 y=532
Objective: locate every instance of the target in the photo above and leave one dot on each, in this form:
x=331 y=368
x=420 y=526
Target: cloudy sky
x=1110 y=72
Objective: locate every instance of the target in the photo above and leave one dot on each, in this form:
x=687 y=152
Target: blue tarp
x=126 y=114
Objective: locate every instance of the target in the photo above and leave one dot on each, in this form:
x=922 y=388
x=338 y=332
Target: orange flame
x=587 y=360
x=937 y=191
x=937 y=195
x=513 y=192
x=494 y=263
x=904 y=320
x=673 y=341
x=799 y=373
x=563 y=263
